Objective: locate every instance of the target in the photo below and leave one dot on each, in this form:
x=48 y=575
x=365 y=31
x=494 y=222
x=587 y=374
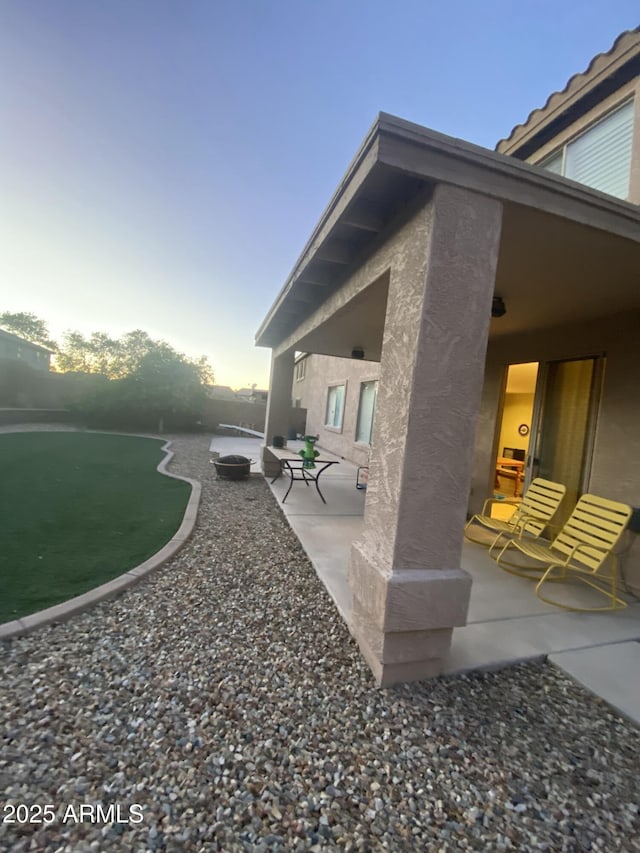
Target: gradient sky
x=163 y=162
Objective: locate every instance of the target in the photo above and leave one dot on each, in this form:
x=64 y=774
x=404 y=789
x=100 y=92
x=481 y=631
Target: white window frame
x=334 y=415
x=301 y=369
x=580 y=137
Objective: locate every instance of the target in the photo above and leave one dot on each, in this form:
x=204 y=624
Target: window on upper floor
x=601 y=156
x=300 y=369
x=335 y=406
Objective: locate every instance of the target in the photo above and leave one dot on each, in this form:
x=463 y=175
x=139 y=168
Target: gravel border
x=221 y=705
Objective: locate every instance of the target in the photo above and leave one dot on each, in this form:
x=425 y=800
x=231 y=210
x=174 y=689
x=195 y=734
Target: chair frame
x=583 y=550
x=532 y=515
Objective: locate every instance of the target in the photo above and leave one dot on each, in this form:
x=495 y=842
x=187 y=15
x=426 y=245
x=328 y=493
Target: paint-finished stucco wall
x=322 y=372
x=615 y=471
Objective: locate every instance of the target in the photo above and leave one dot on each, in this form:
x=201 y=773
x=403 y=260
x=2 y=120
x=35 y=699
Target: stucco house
x=252 y=395
x=470 y=300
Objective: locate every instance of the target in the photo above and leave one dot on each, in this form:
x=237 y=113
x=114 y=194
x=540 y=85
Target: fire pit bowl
x=232 y=467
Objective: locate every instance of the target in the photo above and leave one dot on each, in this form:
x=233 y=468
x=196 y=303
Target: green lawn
x=76 y=510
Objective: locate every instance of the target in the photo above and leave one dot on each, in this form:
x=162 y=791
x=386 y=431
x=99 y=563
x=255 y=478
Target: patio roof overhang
x=567 y=253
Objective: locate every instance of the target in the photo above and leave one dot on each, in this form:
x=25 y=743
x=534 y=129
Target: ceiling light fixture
x=498 y=308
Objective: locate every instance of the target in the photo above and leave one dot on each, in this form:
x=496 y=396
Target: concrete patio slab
x=327 y=541
x=497 y=642
x=599 y=670
x=506 y=621
x=237 y=445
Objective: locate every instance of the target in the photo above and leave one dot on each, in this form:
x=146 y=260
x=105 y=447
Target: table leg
x=288 y=490
x=316 y=478
x=286 y=467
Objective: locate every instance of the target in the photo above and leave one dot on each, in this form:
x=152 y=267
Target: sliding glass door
x=565 y=413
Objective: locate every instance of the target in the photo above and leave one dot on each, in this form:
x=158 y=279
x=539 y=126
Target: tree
x=117 y=358
x=165 y=385
x=27 y=326
x=133 y=381
x=205 y=370
x=164 y=391
x=149 y=384
x=98 y=353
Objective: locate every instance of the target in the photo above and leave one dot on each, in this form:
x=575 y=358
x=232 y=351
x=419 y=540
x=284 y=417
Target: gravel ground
x=221 y=705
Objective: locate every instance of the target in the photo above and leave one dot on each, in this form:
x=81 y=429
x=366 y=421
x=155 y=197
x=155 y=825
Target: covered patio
x=421 y=235
x=506 y=622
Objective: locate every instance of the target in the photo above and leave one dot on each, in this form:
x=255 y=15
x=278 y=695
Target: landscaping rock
x=221 y=705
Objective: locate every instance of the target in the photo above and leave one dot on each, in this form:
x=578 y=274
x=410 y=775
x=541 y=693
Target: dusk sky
x=163 y=162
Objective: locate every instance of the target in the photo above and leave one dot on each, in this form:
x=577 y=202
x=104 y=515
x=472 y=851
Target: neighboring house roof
x=221 y=391
x=606 y=73
x=9 y=336
x=249 y=392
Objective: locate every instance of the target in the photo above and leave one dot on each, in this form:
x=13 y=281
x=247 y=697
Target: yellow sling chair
x=532 y=514
x=583 y=550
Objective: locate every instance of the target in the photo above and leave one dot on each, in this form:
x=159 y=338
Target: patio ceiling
x=568 y=253
x=555 y=272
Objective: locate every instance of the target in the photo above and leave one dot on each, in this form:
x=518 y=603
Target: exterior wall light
x=498 y=308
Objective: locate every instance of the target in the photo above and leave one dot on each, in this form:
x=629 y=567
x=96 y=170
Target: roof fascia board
x=354 y=177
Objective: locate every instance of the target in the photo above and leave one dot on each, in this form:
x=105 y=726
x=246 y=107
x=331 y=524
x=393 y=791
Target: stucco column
x=408 y=588
x=278 y=406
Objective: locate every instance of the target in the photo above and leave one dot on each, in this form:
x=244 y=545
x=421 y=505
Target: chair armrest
x=524 y=520
x=592 y=552
x=488 y=502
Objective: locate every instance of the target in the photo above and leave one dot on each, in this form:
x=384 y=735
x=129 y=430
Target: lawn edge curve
x=66 y=609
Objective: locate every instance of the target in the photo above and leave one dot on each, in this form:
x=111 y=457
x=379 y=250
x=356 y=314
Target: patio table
x=293 y=466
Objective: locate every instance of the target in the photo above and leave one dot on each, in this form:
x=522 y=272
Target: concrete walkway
x=506 y=621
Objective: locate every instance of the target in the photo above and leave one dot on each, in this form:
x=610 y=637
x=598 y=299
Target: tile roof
x=628 y=41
